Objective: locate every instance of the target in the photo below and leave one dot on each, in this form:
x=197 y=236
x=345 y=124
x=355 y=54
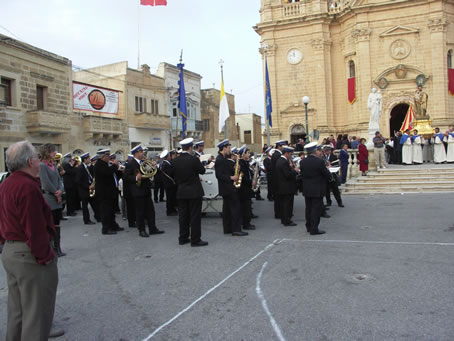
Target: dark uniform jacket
x=131 y=170
x=315 y=174
x=276 y=155
x=187 y=170
x=225 y=168
x=285 y=176
x=168 y=168
x=245 y=191
x=69 y=178
x=105 y=185
x=83 y=182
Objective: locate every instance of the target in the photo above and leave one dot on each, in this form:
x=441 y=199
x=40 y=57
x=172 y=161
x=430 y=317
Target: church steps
x=395 y=179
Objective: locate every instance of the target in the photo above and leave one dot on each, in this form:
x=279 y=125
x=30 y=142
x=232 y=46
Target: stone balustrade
x=353 y=163
x=102 y=126
x=337 y=6
x=294 y=10
x=47 y=123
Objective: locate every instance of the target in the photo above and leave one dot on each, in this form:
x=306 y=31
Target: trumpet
x=147 y=170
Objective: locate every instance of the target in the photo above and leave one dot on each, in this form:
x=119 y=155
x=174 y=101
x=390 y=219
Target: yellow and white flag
x=223 y=108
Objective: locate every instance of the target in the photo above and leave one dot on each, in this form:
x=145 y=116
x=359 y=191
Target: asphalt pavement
x=383 y=271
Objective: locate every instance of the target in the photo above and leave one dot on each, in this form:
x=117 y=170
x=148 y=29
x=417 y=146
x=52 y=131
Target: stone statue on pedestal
x=421 y=99
x=374 y=104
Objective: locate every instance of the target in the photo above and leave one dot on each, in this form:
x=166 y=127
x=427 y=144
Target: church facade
x=336 y=51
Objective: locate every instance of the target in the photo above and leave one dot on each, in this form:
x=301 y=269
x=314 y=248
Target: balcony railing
x=294 y=10
x=353 y=163
x=47 y=123
x=108 y=127
x=191 y=124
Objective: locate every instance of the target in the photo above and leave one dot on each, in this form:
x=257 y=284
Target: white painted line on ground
x=261 y=296
x=364 y=242
x=157 y=330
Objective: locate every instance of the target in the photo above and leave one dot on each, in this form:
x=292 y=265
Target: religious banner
x=451 y=81
x=351 y=90
x=408 y=121
x=96 y=99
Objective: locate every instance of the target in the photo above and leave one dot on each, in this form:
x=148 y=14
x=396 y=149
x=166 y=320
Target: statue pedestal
x=370 y=143
x=424 y=128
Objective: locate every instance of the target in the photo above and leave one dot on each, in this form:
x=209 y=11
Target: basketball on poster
x=86 y=97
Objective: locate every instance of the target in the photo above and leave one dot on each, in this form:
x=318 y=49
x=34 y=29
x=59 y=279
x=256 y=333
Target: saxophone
x=237 y=183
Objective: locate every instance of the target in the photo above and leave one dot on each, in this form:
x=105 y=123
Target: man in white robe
x=439 y=147
x=407 y=155
x=450 y=154
x=417 y=140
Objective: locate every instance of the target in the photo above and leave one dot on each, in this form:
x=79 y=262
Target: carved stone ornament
x=401 y=71
x=437 y=24
x=383 y=83
x=421 y=80
x=361 y=34
x=400 y=49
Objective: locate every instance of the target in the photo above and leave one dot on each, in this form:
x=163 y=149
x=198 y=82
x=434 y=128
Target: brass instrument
x=77 y=159
x=237 y=183
x=256 y=177
x=147 y=170
x=91 y=191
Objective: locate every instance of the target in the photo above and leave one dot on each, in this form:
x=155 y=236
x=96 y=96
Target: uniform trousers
x=145 y=210
x=32 y=291
x=106 y=206
x=85 y=212
x=130 y=209
x=332 y=186
x=277 y=205
x=246 y=211
x=314 y=209
x=158 y=191
x=270 y=194
x=171 y=197
x=189 y=217
x=231 y=213
x=286 y=209
x=71 y=200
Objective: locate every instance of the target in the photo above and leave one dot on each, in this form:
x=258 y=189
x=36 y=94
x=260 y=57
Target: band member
x=85 y=184
x=130 y=205
x=189 y=194
x=286 y=185
x=332 y=186
x=269 y=179
x=245 y=192
x=168 y=177
x=69 y=181
x=198 y=148
x=106 y=181
x=158 y=183
x=439 y=148
x=225 y=173
x=141 y=192
x=276 y=155
x=315 y=174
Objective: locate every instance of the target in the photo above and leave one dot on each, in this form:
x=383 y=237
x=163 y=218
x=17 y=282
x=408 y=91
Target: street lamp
x=306 y=100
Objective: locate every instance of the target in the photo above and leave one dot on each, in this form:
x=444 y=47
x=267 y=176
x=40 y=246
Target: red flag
x=153 y=2
x=451 y=81
x=351 y=90
x=408 y=121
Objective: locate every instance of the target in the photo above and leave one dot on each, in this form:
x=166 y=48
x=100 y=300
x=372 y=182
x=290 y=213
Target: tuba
x=255 y=177
x=237 y=183
x=147 y=170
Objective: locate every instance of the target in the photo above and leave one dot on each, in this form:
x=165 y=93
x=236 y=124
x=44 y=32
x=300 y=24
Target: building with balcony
x=37 y=97
x=143 y=116
x=192 y=82
x=210 y=118
x=335 y=51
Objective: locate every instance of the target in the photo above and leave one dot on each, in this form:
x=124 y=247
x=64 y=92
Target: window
x=175 y=109
x=351 y=68
x=141 y=104
x=155 y=106
x=450 y=59
x=8 y=91
x=206 y=125
x=41 y=97
x=247 y=137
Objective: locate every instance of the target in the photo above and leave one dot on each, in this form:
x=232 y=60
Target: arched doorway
x=397 y=117
x=297 y=132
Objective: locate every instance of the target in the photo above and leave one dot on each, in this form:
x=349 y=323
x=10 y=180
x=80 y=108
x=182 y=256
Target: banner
x=351 y=90
x=153 y=2
x=96 y=99
x=269 y=104
x=182 y=102
x=451 y=81
x=408 y=121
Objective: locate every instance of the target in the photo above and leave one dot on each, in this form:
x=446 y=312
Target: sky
x=99 y=32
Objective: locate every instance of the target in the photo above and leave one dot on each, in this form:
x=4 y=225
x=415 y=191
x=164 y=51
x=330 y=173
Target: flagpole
x=268 y=139
x=221 y=63
x=138 y=34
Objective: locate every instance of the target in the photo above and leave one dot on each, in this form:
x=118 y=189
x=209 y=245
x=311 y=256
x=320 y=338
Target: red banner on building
x=153 y=2
x=451 y=81
x=351 y=90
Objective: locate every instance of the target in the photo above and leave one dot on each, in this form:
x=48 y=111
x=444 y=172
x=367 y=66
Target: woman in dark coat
x=363 y=155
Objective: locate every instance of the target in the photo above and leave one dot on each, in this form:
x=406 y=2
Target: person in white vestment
x=427 y=150
x=450 y=154
x=439 y=147
x=417 y=140
x=407 y=155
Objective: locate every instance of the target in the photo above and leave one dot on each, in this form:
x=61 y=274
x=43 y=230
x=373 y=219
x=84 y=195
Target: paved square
x=383 y=271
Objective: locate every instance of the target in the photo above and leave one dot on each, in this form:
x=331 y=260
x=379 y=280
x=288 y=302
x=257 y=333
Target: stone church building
x=336 y=51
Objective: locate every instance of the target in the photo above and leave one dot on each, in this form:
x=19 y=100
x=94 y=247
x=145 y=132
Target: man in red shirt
x=26 y=228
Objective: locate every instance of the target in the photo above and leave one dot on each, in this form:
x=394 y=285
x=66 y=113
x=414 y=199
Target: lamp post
x=306 y=100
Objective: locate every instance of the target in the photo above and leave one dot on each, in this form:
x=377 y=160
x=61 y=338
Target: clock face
x=294 y=56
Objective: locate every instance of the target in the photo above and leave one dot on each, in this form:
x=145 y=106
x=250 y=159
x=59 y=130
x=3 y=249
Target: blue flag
x=182 y=101
x=269 y=104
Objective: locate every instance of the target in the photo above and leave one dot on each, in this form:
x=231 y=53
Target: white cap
x=164 y=154
x=187 y=142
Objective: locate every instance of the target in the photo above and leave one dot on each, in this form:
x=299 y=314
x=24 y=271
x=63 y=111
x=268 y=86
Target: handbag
x=366 y=161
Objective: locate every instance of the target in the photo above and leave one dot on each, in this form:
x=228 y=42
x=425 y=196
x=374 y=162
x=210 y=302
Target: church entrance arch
x=397 y=117
x=297 y=132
